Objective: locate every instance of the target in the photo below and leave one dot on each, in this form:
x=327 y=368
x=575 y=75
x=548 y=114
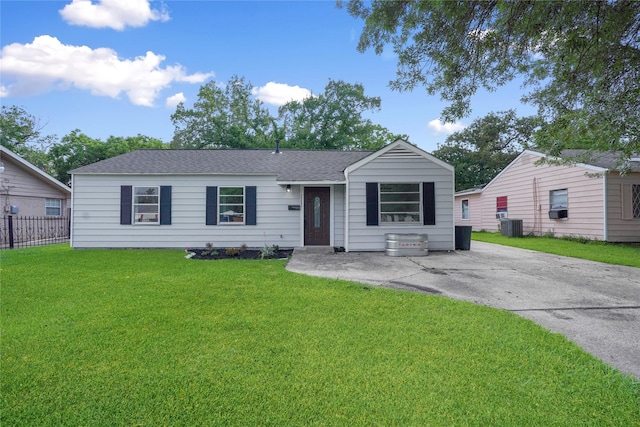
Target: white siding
x=338 y=215
x=96 y=214
x=399 y=169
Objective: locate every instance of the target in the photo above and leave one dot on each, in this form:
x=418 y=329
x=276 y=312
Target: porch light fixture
x=288 y=188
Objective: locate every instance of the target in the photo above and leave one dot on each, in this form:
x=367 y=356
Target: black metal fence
x=25 y=231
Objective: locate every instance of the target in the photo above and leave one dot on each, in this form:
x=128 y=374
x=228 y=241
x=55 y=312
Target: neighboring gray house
x=26 y=190
x=590 y=199
x=187 y=198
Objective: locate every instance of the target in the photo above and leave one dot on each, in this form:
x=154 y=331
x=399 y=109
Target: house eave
x=468 y=192
x=172 y=173
x=310 y=182
x=40 y=173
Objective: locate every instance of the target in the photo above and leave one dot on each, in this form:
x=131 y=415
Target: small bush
x=209 y=250
x=243 y=248
x=232 y=252
x=268 y=251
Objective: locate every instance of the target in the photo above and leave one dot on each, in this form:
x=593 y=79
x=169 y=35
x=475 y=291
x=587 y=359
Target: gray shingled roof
x=608 y=160
x=294 y=165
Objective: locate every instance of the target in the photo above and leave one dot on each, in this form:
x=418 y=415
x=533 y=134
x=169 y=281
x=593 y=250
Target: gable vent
x=400 y=153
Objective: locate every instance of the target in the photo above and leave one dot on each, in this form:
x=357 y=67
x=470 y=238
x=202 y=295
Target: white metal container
x=406 y=244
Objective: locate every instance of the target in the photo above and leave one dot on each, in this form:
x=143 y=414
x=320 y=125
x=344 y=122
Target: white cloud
x=174 y=100
x=280 y=93
x=3 y=91
x=115 y=14
x=46 y=64
x=440 y=128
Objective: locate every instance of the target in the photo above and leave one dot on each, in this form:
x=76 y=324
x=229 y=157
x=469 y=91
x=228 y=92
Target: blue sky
x=118 y=67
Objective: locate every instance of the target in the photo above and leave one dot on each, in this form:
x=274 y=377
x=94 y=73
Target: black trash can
x=463 y=237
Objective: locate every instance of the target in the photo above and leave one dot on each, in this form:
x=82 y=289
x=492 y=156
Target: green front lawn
x=147 y=337
x=592 y=250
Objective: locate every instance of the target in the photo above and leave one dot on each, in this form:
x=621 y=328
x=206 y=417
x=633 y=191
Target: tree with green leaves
x=223 y=117
x=229 y=117
x=580 y=60
x=486 y=147
x=21 y=133
x=334 y=120
x=77 y=149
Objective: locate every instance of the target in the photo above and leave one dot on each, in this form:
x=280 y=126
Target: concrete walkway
x=595 y=305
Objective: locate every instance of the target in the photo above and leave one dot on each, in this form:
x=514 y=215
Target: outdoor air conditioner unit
x=511 y=227
x=558 y=213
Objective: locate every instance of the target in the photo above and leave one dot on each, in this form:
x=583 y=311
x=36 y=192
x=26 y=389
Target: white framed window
x=400 y=203
x=231 y=205
x=464 y=207
x=53 y=207
x=146 y=205
x=558 y=199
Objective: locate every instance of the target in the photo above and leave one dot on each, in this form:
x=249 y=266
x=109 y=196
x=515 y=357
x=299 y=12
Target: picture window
x=400 y=203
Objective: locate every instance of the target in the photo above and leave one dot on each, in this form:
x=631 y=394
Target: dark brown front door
x=316 y=216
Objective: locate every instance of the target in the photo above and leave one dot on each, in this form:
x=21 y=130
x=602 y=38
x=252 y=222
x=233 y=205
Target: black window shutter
x=165 y=205
x=250 y=202
x=125 y=204
x=212 y=206
x=372 y=203
x=429 y=203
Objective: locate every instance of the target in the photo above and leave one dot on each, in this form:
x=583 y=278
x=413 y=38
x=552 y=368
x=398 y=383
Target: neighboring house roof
x=609 y=160
x=596 y=161
x=287 y=165
x=473 y=190
x=33 y=170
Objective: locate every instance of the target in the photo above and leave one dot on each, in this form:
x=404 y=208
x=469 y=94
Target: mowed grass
x=592 y=250
x=147 y=337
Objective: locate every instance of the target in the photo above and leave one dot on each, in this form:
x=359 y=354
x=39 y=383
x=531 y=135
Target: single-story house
x=26 y=190
x=188 y=198
x=591 y=199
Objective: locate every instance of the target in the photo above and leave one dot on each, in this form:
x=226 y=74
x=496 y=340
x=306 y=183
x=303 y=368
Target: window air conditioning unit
x=501 y=215
x=558 y=213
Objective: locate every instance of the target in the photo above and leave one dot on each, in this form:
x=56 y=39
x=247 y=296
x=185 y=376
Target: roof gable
x=398 y=149
x=33 y=170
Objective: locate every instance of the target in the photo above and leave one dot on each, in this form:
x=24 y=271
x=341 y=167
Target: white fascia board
x=310 y=182
x=468 y=192
x=170 y=174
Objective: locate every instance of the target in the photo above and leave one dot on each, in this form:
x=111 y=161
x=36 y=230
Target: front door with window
x=317 y=216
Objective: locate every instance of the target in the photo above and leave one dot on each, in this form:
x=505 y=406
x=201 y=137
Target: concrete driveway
x=595 y=305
